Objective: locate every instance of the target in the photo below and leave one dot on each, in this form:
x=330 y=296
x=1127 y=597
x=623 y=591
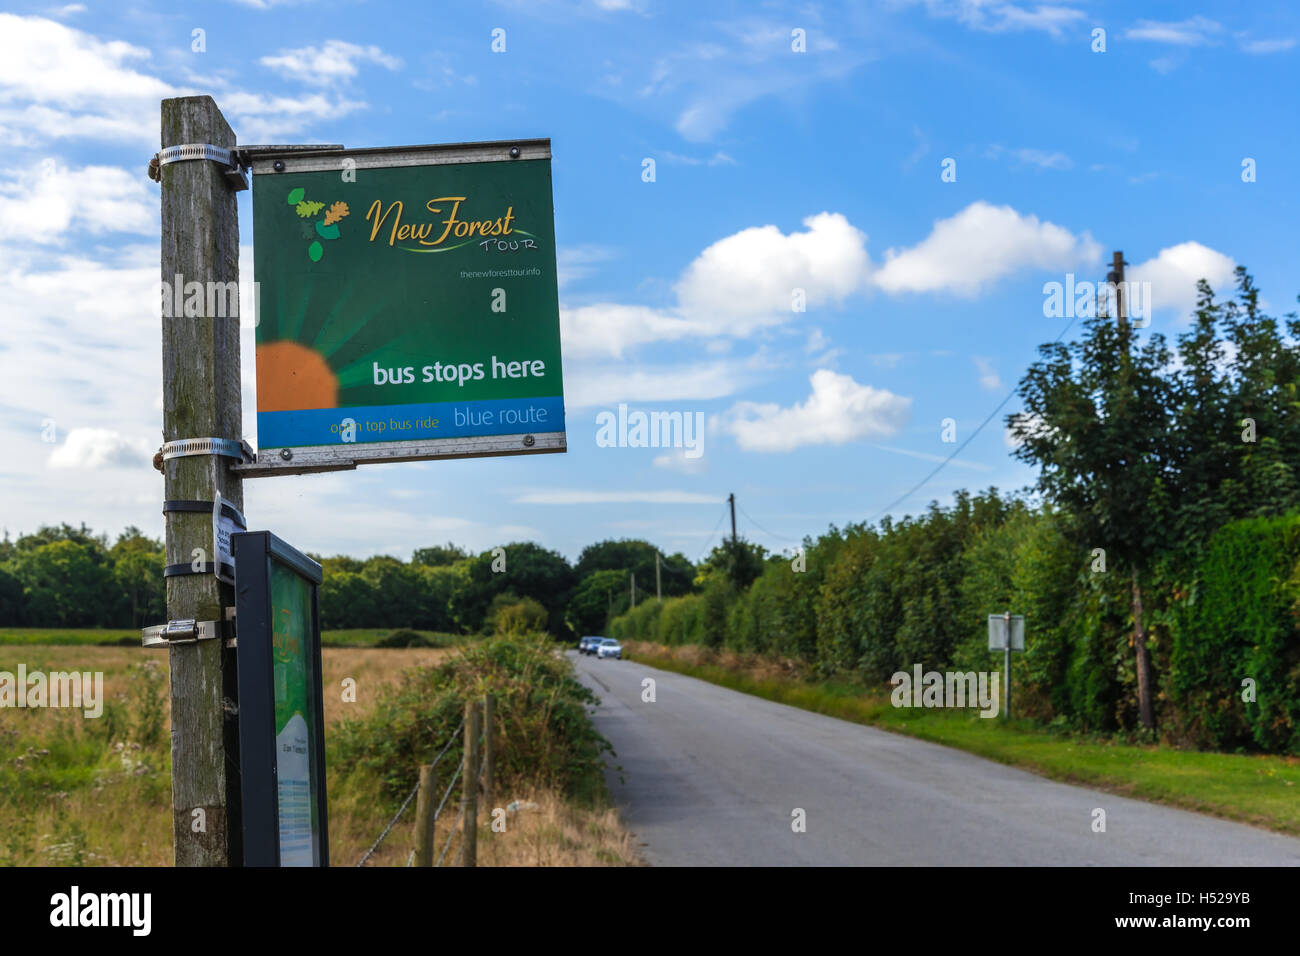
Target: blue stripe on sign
x=381 y=423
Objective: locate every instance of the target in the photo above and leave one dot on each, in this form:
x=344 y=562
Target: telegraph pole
x=633 y=589
x=731 y=499
x=659 y=593
x=201 y=400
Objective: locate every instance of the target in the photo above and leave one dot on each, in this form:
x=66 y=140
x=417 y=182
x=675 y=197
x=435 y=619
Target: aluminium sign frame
x=280 y=459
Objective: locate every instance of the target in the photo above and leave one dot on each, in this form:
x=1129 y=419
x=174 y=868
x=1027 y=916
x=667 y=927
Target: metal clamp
x=187 y=631
x=229 y=447
x=185 y=152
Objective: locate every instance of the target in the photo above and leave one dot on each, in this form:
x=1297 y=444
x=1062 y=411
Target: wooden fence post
x=489 y=753
x=469 y=784
x=424 y=807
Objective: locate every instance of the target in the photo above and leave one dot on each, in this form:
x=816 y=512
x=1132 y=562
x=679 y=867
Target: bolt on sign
x=408 y=305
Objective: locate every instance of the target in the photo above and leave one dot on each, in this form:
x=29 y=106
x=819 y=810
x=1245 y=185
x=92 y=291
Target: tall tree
x=1097 y=423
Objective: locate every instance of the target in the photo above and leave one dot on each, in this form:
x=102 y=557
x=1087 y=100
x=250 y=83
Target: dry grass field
x=97 y=791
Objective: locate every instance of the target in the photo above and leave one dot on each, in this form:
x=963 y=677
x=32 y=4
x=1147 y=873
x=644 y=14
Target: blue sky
x=774 y=170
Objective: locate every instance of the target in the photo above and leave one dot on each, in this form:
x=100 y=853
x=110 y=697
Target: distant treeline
x=1157 y=564
x=67 y=576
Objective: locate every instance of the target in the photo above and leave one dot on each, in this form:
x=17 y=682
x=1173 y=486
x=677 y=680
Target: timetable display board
x=281 y=725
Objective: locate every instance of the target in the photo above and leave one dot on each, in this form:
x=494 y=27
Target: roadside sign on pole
x=407 y=305
x=1000 y=625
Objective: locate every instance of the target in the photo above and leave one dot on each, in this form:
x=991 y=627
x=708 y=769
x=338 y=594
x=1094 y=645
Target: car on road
x=609 y=648
x=588 y=645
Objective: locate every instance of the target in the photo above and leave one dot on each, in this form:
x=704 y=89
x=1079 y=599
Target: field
x=97 y=791
x=359 y=637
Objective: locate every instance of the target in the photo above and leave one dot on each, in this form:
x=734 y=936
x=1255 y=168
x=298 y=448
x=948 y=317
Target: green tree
x=593 y=602
x=1098 y=423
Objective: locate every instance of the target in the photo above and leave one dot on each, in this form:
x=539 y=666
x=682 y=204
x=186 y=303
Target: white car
x=609 y=648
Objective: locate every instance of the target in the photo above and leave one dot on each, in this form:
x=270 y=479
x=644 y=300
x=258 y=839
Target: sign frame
x=298 y=460
x=255 y=554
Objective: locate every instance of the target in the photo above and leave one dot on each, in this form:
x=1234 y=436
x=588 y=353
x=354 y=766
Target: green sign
x=408 y=305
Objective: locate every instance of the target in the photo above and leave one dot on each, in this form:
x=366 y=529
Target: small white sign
x=998 y=632
x=226 y=520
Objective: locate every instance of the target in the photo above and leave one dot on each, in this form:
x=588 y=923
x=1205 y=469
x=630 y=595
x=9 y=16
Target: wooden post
x=489 y=753
x=424 y=806
x=201 y=399
x=469 y=784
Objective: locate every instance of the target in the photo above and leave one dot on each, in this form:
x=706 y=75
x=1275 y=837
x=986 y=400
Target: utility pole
x=633 y=589
x=201 y=399
x=731 y=498
x=1146 y=709
x=659 y=592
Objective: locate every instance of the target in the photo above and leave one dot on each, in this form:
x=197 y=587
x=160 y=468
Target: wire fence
x=414 y=790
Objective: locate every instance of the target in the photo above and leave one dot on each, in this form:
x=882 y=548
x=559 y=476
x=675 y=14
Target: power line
x=765 y=531
x=938 y=468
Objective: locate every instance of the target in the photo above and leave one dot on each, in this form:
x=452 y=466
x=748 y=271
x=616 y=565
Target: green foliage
x=597 y=598
x=1240 y=622
x=543 y=731
x=148 y=703
x=523 y=616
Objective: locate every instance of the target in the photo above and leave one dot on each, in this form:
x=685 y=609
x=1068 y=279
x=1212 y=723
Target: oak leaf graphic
x=336 y=212
x=308 y=209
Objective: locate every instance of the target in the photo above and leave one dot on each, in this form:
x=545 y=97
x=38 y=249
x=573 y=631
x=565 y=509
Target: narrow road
x=707 y=776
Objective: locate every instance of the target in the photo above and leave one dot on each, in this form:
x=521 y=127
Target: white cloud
x=332 y=63
x=1194 y=31
x=583 y=497
x=979 y=245
x=989 y=378
x=1174 y=272
x=746 y=282
x=746 y=279
x=675 y=460
x=258 y=117
x=94 y=448
x=736 y=286
x=838 y=410
x=576 y=262
x=48 y=202
x=588 y=386
x=1264 y=47
x=58 y=82
x=1042 y=158
x=998 y=16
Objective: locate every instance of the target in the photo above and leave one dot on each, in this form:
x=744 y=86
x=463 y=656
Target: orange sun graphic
x=292 y=376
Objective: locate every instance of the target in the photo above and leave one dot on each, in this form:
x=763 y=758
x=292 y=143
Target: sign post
x=1006 y=634
x=201 y=416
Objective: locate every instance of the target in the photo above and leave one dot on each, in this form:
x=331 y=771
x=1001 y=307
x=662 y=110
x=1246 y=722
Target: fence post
x=489 y=753
x=469 y=784
x=424 y=818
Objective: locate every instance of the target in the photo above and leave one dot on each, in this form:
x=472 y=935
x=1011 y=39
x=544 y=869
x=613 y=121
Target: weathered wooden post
x=424 y=807
x=469 y=784
x=489 y=753
x=201 y=399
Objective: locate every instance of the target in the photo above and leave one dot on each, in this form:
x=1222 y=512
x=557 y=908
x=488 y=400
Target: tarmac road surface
x=712 y=777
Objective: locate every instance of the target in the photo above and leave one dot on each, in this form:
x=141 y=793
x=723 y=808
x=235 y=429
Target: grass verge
x=1260 y=789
